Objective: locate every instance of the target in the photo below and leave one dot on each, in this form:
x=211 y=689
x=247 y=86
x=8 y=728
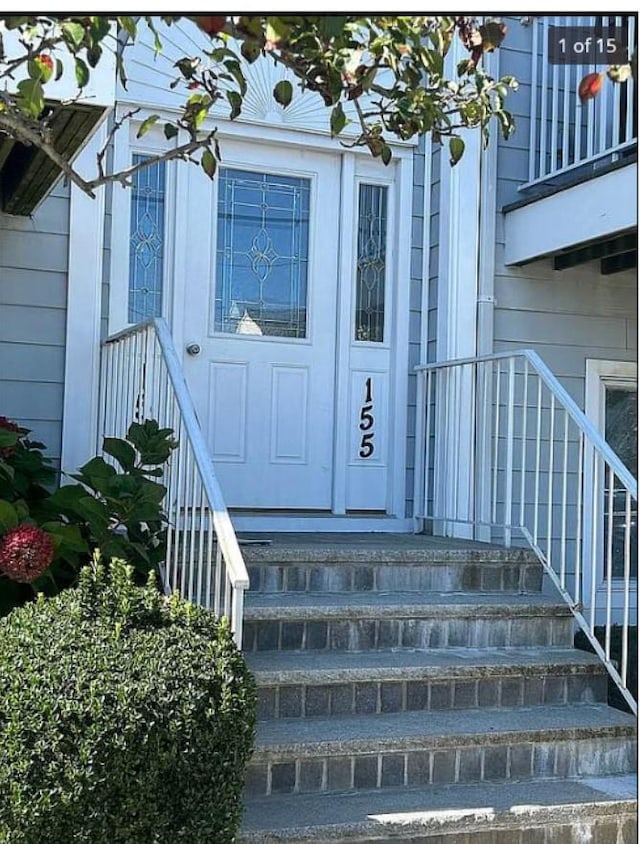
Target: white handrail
x=530 y=467
x=142 y=377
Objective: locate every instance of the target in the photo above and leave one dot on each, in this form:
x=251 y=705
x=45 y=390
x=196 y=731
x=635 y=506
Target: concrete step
x=411 y=749
x=596 y=810
x=445 y=573
x=362 y=621
x=299 y=684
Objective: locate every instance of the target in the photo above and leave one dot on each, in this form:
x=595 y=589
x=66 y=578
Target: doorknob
x=193 y=349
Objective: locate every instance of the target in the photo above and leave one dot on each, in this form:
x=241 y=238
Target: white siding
x=33 y=302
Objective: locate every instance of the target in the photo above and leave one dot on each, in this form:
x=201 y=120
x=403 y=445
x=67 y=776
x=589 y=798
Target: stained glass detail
x=371 y=263
x=262 y=254
x=621 y=432
x=146 y=244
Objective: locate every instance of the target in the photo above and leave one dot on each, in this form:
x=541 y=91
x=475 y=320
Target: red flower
x=7 y=425
x=25 y=552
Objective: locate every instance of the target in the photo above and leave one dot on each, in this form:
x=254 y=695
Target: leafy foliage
x=386 y=74
x=124 y=717
x=114 y=508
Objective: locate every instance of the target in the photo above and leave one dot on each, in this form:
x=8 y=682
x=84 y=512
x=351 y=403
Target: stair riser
x=314 y=700
x=366 y=634
x=464 y=764
x=385 y=577
x=621 y=829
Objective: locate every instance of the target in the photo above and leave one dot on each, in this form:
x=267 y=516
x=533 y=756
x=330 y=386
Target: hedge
x=125 y=718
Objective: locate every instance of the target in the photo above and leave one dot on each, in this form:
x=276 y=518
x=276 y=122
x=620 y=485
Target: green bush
x=125 y=718
x=48 y=534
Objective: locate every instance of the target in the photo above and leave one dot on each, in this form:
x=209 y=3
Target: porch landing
x=372 y=547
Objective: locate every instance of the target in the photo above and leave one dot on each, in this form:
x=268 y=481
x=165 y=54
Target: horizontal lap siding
x=33 y=303
x=566 y=316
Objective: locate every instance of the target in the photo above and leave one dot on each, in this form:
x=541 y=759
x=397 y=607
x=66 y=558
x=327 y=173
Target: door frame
x=173 y=309
x=598 y=374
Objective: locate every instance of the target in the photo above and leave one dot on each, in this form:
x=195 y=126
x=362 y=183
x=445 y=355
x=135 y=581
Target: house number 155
x=367 y=422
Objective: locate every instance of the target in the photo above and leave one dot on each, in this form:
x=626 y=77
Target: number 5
x=366 y=446
x=366 y=419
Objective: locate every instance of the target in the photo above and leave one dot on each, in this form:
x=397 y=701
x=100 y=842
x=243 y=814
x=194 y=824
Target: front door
x=260 y=323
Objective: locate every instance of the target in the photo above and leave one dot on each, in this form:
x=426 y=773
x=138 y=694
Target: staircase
x=425 y=690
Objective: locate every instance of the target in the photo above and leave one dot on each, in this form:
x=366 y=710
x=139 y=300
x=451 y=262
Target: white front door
x=261 y=294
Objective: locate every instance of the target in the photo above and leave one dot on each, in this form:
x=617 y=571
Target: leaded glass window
x=262 y=254
x=146 y=245
x=621 y=432
x=371 y=263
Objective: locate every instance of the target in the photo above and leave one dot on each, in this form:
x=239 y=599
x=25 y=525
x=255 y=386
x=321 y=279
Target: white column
x=458 y=242
x=82 y=356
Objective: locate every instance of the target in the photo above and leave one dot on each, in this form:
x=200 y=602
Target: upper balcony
x=582 y=168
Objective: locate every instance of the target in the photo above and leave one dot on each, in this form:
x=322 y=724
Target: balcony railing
x=141 y=378
x=566 y=134
x=504 y=455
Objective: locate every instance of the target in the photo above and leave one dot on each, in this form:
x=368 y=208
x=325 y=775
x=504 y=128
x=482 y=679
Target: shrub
x=115 y=508
x=125 y=718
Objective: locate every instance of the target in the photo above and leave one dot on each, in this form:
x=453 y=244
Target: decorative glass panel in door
x=262 y=254
x=371 y=263
x=621 y=432
x=146 y=241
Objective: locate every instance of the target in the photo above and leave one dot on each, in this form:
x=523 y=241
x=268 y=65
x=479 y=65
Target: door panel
x=262 y=308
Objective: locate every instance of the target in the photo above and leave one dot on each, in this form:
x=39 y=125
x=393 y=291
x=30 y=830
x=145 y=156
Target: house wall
x=33 y=303
x=565 y=316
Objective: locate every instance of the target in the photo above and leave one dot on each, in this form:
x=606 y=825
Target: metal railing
x=504 y=454
x=142 y=378
x=564 y=133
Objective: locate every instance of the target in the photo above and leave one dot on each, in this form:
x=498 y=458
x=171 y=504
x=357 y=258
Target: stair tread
x=372 y=547
x=371 y=733
x=449 y=808
x=403 y=664
x=275 y=605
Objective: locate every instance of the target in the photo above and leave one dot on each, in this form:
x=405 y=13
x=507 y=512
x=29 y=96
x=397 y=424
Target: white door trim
x=599 y=374
x=84 y=301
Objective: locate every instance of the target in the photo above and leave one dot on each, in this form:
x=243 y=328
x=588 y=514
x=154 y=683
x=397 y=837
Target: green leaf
x=283 y=92
x=208 y=163
x=456 y=148
x=82 y=73
x=8 y=516
x=277 y=30
x=492 y=34
x=129 y=25
x=235 y=101
x=338 y=120
x=250 y=50
x=59 y=69
x=31 y=97
x=147 y=124
x=236 y=71
x=170 y=131
x=386 y=154
x=124 y=453
x=97 y=467
x=94 y=53
x=8 y=438
x=73 y=34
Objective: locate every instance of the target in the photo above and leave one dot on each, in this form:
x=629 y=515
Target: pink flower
x=25 y=552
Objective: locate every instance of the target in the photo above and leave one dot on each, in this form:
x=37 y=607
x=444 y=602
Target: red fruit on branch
x=26 y=552
x=211 y=24
x=590 y=86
